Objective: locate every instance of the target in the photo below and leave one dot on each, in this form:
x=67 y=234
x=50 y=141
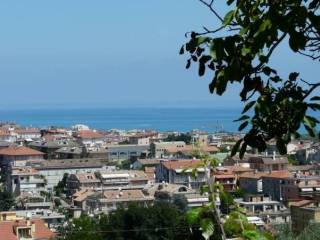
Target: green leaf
x=228 y=18
x=192 y=215
x=181 y=50
x=293 y=76
x=236 y=147
x=316 y=98
x=188 y=63
x=207 y=228
x=314 y=106
x=267 y=71
x=243 y=125
x=248 y=106
x=281 y=146
x=310 y=130
x=242 y=150
x=244 y=117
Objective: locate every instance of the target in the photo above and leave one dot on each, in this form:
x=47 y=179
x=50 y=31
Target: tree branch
x=313 y=86
x=270 y=51
x=209 y=5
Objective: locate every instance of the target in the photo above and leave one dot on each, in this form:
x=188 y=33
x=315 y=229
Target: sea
x=160 y=119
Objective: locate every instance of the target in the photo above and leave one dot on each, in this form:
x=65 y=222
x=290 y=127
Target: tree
x=7 y=200
x=60 y=188
x=240 y=49
x=180 y=201
x=185 y=137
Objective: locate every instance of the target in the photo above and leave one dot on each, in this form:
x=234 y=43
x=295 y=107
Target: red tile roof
x=19 y=151
x=180 y=164
x=89 y=134
x=278 y=174
x=7 y=229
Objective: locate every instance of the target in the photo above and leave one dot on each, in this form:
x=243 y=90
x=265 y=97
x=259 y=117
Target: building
x=251 y=182
x=161 y=149
x=143 y=163
x=166 y=192
x=81 y=181
x=18 y=156
x=269 y=163
x=89 y=138
x=28 y=133
x=17 y=228
x=180 y=172
x=26 y=179
x=130 y=179
x=54 y=170
x=226 y=178
x=300 y=187
x=126 y=152
x=304 y=213
x=272 y=184
x=106 y=201
x=264 y=207
x=139 y=139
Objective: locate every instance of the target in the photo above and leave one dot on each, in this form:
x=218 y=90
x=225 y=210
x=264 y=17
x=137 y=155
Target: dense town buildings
x=89 y=171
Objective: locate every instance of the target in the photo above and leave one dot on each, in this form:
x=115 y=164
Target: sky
x=105 y=53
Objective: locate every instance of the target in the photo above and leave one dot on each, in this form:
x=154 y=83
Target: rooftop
x=19 y=151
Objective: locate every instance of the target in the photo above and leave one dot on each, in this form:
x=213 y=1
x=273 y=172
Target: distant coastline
x=158 y=118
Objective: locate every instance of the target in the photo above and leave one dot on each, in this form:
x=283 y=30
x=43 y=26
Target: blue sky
x=108 y=53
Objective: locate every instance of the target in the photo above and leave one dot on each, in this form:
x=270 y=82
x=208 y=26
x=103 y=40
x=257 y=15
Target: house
x=54 y=170
x=126 y=152
x=7 y=136
x=143 y=163
x=18 y=156
x=300 y=187
x=81 y=181
x=180 y=172
x=236 y=161
x=69 y=152
x=166 y=192
x=111 y=200
x=269 y=163
x=140 y=139
x=264 y=207
x=304 y=213
x=251 y=182
x=27 y=133
x=49 y=148
x=15 y=228
x=79 y=201
x=129 y=179
x=272 y=184
x=161 y=149
x=226 y=178
x=309 y=153
x=89 y=138
x=26 y=179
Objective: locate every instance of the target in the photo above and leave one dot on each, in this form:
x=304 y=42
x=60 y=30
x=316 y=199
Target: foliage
x=124 y=164
x=284 y=232
x=161 y=221
x=227 y=202
x=124 y=142
x=57 y=202
x=7 y=200
x=180 y=201
x=292 y=159
x=60 y=188
x=240 y=50
x=83 y=228
x=185 y=137
x=239 y=193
